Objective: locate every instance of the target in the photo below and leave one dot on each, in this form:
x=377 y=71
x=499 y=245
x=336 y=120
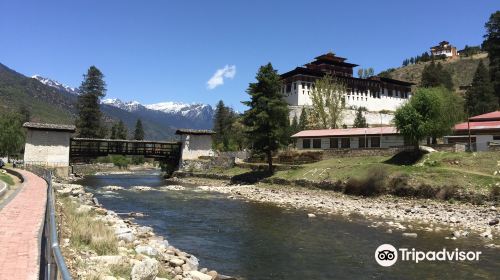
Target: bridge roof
x=195 y=131
x=123 y=141
x=49 y=126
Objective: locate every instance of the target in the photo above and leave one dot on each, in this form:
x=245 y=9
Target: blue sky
x=160 y=50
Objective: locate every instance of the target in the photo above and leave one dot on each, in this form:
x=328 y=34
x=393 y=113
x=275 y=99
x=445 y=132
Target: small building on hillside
x=349 y=138
x=444 y=48
x=484 y=132
x=195 y=143
x=47 y=144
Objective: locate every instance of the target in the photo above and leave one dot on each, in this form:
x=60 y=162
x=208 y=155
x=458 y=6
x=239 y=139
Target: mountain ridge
x=51 y=101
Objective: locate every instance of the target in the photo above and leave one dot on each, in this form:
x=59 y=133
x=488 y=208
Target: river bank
x=398 y=215
x=101 y=244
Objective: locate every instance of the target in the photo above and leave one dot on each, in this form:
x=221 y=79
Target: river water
x=261 y=241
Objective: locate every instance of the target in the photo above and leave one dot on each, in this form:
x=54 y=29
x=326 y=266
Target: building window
x=303 y=85
x=334 y=143
x=375 y=142
x=294 y=86
x=316 y=143
x=362 y=142
x=345 y=142
x=306 y=143
x=288 y=87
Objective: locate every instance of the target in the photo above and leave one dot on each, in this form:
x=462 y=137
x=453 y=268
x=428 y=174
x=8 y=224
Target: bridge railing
x=52 y=264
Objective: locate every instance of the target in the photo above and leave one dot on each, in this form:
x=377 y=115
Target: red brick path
x=20 y=224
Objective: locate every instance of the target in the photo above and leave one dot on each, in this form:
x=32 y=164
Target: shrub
x=495 y=192
x=370 y=185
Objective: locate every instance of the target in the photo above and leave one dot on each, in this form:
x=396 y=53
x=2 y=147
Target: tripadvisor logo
x=387 y=255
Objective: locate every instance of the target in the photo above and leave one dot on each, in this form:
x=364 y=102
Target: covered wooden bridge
x=83 y=149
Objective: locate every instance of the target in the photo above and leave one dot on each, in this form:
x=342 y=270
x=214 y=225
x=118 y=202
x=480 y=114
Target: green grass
x=473 y=171
x=7 y=179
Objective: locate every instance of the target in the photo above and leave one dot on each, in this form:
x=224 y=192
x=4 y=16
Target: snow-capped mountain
x=178 y=114
x=187 y=110
x=55 y=84
x=128 y=106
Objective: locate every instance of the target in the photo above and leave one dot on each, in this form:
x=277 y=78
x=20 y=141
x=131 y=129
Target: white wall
x=194 y=146
x=386 y=141
x=301 y=97
x=372 y=118
x=47 y=147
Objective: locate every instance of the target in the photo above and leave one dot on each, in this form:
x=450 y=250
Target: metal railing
x=52 y=265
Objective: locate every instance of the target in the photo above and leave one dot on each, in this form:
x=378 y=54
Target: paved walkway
x=20 y=225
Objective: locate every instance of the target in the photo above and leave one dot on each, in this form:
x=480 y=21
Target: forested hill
x=462 y=70
x=49 y=104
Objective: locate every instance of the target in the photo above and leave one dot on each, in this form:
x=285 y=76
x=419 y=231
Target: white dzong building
x=375 y=93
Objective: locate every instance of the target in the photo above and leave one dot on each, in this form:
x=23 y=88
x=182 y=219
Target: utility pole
x=468 y=130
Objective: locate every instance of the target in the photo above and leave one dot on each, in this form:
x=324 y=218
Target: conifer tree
x=267 y=116
x=93 y=88
x=224 y=118
x=139 y=130
x=491 y=44
x=113 y=132
x=360 y=120
x=304 y=120
x=294 y=127
x=121 y=131
x=480 y=97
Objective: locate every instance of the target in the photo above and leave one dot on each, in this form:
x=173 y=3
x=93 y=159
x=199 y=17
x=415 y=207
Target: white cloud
x=229 y=71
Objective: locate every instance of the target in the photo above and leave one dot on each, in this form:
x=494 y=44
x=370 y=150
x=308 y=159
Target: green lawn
x=469 y=170
x=7 y=179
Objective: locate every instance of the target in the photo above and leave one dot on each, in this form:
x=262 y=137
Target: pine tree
x=113 y=132
x=304 y=120
x=121 y=131
x=267 y=116
x=222 y=126
x=491 y=44
x=480 y=97
x=294 y=127
x=360 y=120
x=139 y=130
x=89 y=115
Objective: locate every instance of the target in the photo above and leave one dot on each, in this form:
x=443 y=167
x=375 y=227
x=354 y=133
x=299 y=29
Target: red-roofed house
x=349 y=138
x=484 y=130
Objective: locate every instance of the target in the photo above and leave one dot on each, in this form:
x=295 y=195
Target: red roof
x=346 y=132
x=479 y=125
x=492 y=116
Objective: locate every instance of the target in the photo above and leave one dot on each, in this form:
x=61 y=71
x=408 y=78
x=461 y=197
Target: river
x=261 y=241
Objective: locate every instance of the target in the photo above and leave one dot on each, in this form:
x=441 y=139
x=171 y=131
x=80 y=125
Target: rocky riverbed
x=402 y=215
x=139 y=248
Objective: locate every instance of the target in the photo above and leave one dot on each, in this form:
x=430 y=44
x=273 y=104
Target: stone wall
x=207 y=163
x=339 y=153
